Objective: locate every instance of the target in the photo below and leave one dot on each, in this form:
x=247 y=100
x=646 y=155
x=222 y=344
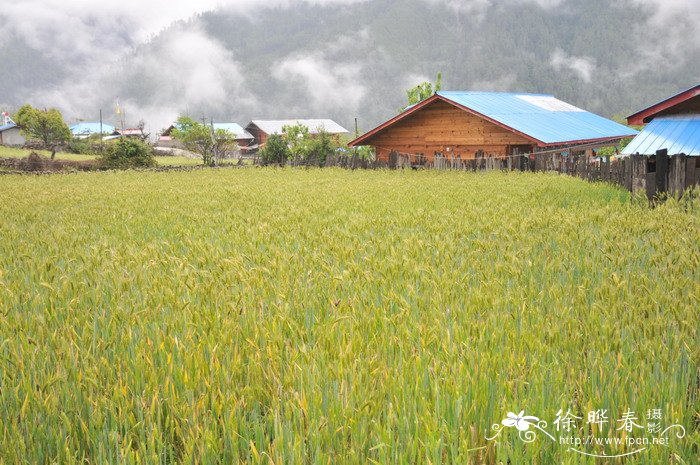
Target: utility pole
x=101 y=132
x=357 y=134
x=213 y=141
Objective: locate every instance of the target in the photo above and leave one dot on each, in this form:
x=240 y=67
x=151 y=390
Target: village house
x=468 y=125
x=261 y=130
x=88 y=129
x=131 y=133
x=10 y=133
x=672 y=125
x=243 y=137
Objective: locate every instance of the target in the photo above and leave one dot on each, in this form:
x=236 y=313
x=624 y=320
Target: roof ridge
x=498 y=92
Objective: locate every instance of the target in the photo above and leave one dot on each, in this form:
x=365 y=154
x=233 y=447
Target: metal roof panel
x=234 y=128
x=83 y=129
x=276 y=126
x=677 y=134
x=540 y=116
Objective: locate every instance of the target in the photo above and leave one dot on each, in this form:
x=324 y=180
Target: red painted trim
x=644 y=116
x=587 y=141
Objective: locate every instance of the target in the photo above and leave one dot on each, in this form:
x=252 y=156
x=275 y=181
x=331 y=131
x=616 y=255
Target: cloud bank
x=582 y=67
x=184 y=69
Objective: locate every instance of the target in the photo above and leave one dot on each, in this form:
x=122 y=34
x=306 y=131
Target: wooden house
x=468 y=125
x=683 y=103
x=243 y=137
x=672 y=125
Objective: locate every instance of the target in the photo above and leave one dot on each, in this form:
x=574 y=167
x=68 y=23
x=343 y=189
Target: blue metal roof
x=7 y=126
x=677 y=134
x=541 y=117
x=87 y=129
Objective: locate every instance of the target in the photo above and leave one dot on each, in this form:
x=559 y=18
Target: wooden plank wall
x=259 y=135
x=443 y=128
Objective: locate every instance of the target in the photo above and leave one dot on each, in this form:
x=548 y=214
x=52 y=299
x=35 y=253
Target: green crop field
x=266 y=316
x=11 y=152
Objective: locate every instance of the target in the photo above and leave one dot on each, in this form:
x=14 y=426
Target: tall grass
x=12 y=152
x=333 y=317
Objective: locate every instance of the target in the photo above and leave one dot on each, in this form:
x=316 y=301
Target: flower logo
x=520 y=421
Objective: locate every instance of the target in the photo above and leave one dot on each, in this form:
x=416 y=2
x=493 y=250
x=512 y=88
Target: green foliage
x=321 y=146
x=298 y=140
x=366 y=152
x=328 y=316
x=46 y=126
x=423 y=91
x=275 y=152
x=128 y=153
x=309 y=149
x=212 y=145
x=80 y=146
x=614 y=150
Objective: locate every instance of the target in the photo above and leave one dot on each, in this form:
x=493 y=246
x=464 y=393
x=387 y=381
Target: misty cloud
x=330 y=80
x=179 y=70
x=669 y=37
x=479 y=7
x=82 y=29
x=583 y=67
x=183 y=70
x=327 y=84
x=207 y=67
x=502 y=84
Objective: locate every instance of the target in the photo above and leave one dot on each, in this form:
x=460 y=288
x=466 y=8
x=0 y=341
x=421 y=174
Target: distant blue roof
x=7 y=126
x=87 y=129
x=677 y=134
x=541 y=117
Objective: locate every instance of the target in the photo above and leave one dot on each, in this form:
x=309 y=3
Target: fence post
x=691 y=166
x=662 y=171
x=677 y=175
x=627 y=171
x=393 y=160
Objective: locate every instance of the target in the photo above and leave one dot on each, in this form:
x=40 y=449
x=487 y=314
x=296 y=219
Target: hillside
x=356 y=60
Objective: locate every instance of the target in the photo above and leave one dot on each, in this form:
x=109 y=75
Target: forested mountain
x=357 y=59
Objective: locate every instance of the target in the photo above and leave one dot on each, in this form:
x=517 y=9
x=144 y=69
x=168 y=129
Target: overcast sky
x=79 y=32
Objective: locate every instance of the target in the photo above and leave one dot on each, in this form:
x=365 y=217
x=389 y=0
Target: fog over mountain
x=237 y=60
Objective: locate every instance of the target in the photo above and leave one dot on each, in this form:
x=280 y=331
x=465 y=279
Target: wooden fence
x=650 y=175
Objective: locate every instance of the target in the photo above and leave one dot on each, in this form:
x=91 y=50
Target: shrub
x=212 y=145
x=320 y=148
x=79 y=146
x=128 y=153
x=275 y=152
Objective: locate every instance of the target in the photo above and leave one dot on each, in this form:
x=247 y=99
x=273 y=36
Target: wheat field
x=264 y=316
